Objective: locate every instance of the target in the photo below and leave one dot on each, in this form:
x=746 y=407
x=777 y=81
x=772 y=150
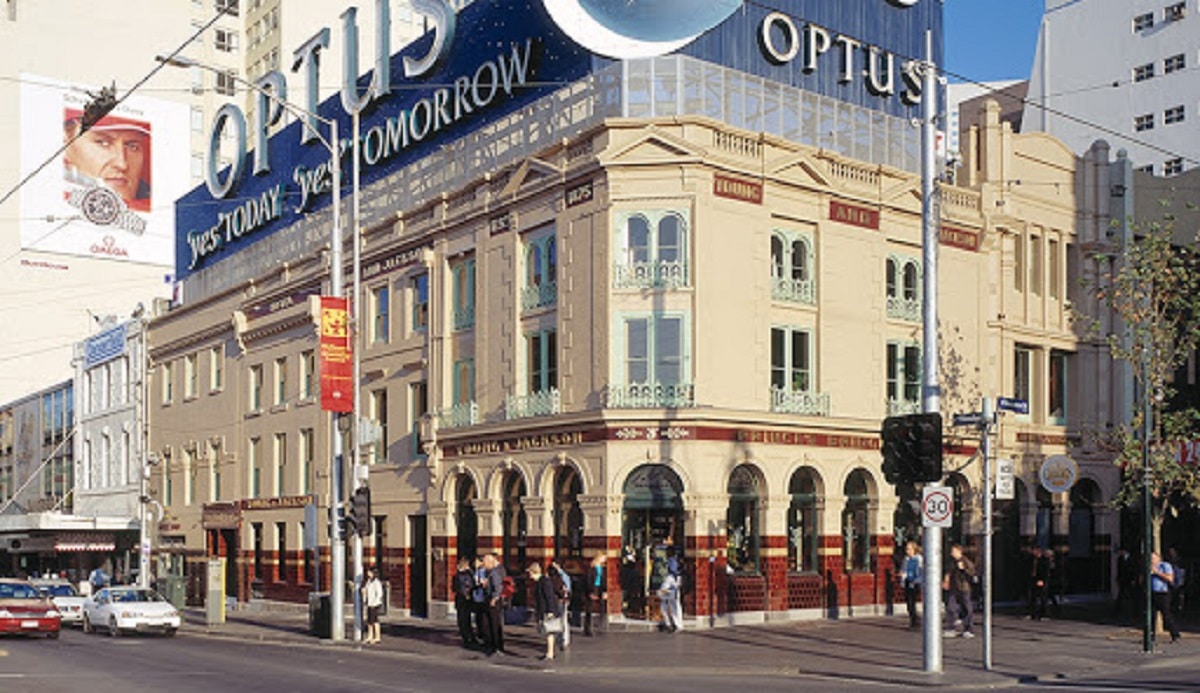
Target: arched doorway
x=856 y=525
x=1085 y=571
x=465 y=495
x=742 y=520
x=651 y=528
x=804 y=521
x=515 y=526
x=568 y=516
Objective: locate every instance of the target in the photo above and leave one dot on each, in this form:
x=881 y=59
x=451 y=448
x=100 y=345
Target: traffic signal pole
x=930 y=388
x=989 y=490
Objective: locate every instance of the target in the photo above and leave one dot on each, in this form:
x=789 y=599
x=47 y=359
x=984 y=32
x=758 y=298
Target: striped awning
x=75 y=542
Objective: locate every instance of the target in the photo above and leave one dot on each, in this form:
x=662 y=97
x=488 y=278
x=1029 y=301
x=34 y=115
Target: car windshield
x=136 y=596
x=62 y=590
x=17 y=591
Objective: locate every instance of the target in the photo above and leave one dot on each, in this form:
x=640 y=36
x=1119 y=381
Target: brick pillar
x=443 y=550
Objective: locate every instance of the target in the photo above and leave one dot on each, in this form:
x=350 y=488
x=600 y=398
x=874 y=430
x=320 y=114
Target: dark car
x=23 y=609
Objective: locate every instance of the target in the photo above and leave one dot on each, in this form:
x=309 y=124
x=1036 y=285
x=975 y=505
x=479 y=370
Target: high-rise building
x=1121 y=71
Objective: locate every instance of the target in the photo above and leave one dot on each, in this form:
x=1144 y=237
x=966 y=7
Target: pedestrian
x=668 y=592
x=958 y=582
x=630 y=584
x=1177 y=585
x=373 y=596
x=547 y=609
x=1056 y=582
x=1039 y=587
x=1162 y=576
x=479 y=603
x=493 y=612
x=914 y=577
x=562 y=587
x=464 y=605
x=1126 y=582
x=597 y=595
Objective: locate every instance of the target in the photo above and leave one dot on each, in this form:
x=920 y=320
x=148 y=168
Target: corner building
x=644 y=307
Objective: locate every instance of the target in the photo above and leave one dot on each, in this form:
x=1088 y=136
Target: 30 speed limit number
x=937 y=506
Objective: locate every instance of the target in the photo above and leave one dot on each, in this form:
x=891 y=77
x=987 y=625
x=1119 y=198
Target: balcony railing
x=544 y=403
x=801 y=402
x=650 y=396
x=460 y=415
x=900 y=407
x=650 y=275
x=900 y=308
x=539 y=295
x=794 y=290
x=464 y=317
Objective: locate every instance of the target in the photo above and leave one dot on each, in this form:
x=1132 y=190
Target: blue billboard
x=498 y=56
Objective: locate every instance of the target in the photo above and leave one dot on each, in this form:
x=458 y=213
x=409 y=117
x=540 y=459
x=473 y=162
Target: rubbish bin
x=320 y=615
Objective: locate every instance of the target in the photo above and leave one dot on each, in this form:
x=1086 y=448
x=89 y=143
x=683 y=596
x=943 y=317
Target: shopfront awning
x=75 y=542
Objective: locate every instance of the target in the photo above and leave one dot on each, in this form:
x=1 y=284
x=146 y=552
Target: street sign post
x=1016 y=406
x=937 y=506
x=972 y=419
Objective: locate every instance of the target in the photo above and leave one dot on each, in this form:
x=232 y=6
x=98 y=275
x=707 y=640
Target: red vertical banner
x=337 y=369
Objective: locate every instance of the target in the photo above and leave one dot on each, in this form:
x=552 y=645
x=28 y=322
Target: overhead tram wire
x=221 y=12
x=988 y=89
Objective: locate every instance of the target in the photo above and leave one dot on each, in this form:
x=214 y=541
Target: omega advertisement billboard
x=497 y=56
x=109 y=194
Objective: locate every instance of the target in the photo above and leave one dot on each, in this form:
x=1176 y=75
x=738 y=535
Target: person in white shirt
x=373 y=595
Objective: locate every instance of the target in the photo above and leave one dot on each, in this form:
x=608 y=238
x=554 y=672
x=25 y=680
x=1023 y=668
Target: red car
x=23 y=609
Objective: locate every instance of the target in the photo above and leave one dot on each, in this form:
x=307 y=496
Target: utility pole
x=356 y=332
x=930 y=388
x=337 y=549
x=985 y=449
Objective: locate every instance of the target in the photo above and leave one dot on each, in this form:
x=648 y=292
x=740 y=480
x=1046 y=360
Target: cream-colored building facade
x=646 y=335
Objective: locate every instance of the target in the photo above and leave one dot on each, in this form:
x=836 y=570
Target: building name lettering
x=277 y=503
x=736 y=189
x=959 y=238
x=579 y=194
x=392 y=263
x=853 y=215
x=244 y=219
x=537 y=442
x=782 y=41
x=820 y=440
x=1044 y=438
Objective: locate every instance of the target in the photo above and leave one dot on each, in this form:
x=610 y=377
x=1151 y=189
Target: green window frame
x=654 y=348
x=541 y=360
x=464 y=381
x=904 y=372
x=463 y=294
x=792 y=359
x=420 y=301
x=380 y=314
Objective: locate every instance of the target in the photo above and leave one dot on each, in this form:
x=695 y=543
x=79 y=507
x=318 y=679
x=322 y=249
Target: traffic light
x=360 y=511
x=912 y=448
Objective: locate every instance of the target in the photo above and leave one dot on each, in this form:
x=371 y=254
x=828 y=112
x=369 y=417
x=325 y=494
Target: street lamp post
x=337 y=290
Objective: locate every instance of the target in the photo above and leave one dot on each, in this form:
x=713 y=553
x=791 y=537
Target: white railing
x=464 y=318
x=544 y=403
x=801 y=402
x=901 y=308
x=460 y=415
x=539 y=295
x=650 y=275
x=650 y=396
x=900 y=407
x=794 y=290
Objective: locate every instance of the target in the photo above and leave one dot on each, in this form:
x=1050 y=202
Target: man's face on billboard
x=115 y=156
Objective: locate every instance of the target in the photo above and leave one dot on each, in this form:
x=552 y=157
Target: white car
x=65 y=598
x=117 y=609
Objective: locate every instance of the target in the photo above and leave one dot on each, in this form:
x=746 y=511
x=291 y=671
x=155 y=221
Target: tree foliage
x=1151 y=285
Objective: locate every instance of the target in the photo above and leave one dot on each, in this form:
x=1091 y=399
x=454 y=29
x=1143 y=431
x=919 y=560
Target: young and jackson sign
x=493 y=58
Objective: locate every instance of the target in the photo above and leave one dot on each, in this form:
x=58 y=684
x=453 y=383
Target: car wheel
x=87 y=624
x=112 y=627
x=170 y=632
x=53 y=635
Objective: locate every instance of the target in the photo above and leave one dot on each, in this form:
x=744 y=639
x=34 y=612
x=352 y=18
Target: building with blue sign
x=621 y=307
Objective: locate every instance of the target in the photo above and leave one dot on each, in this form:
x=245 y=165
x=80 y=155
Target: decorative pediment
x=529 y=171
x=653 y=146
x=801 y=168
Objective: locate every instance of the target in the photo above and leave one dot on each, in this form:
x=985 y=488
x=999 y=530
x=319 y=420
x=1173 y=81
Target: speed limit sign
x=937 y=506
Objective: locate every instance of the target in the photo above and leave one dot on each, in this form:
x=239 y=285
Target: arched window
x=791 y=267
x=803 y=514
x=891 y=278
x=568 y=516
x=911 y=281
x=799 y=260
x=534 y=269
x=637 y=239
x=856 y=527
x=468 y=523
x=742 y=523
x=903 y=277
x=653 y=250
x=515 y=523
x=670 y=239
x=777 y=259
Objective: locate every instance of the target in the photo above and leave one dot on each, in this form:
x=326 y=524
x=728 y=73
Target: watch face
x=637 y=28
x=101 y=206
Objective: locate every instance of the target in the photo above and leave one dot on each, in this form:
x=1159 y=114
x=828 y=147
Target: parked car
x=23 y=609
x=118 y=609
x=65 y=598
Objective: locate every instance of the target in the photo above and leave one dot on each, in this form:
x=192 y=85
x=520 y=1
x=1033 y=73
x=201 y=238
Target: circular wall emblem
x=101 y=206
x=1058 y=474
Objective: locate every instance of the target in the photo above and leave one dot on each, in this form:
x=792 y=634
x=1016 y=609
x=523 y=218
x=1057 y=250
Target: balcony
x=650 y=275
x=801 y=402
x=464 y=318
x=794 y=290
x=460 y=415
x=901 y=407
x=544 y=403
x=539 y=296
x=899 y=308
x=650 y=396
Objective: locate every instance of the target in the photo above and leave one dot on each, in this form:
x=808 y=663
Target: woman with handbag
x=546 y=608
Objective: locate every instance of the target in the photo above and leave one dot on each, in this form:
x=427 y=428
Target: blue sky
x=991 y=39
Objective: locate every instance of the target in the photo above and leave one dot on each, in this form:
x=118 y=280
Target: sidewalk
x=880 y=649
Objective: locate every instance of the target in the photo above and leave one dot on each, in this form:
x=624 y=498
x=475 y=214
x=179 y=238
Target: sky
x=988 y=40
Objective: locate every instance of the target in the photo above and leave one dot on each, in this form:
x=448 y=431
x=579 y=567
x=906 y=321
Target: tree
x=1152 y=287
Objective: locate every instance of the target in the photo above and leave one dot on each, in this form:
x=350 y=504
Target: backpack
x=560 y=587
x=507 y=588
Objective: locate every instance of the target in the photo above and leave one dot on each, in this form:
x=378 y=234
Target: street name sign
x=1017 y=406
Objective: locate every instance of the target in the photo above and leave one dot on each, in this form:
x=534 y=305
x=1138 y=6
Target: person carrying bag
x=546 y=608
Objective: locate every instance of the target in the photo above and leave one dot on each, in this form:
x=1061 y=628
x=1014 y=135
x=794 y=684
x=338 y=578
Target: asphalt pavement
x=1080 y=643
